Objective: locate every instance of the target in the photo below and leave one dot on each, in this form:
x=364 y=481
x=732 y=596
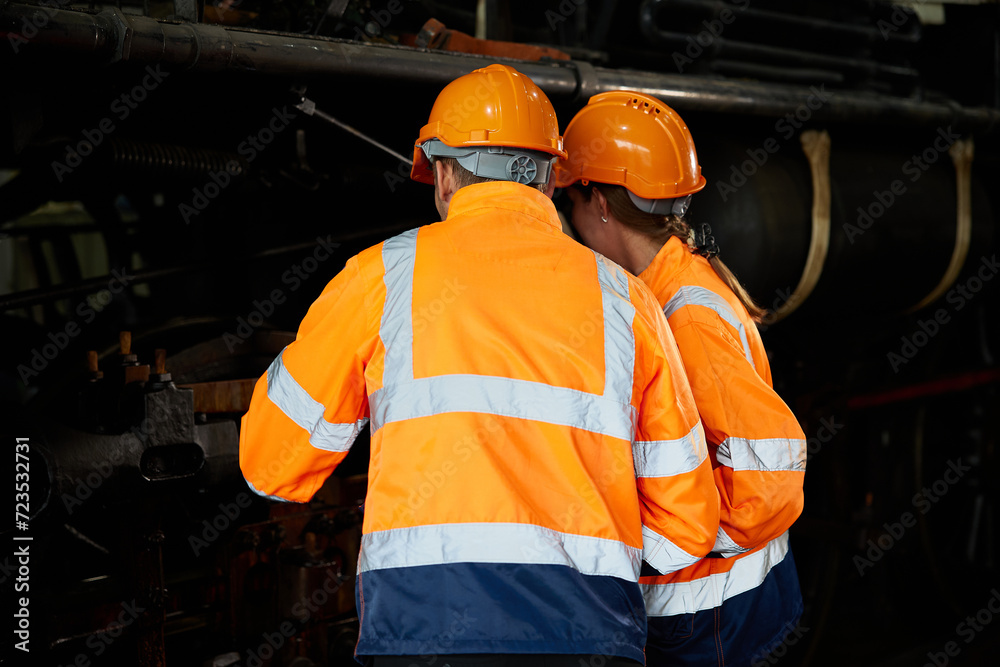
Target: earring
x=604 y=219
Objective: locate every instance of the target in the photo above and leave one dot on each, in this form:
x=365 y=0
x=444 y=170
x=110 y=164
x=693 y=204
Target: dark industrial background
x=168 y=213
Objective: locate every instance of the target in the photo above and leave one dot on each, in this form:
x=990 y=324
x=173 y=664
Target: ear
x=602 y=203
x=444 y=180
x=551 y=187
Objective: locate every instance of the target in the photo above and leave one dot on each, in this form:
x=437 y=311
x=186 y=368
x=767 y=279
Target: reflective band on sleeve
x=441 y=544
x=264 y=495
x=663 y=554
x=289 y=396
x=688 y=597
x=765 y=454
x=665 y=458
x=726 y=546
x=691 y=295
x=503 y=397
x=403 y=397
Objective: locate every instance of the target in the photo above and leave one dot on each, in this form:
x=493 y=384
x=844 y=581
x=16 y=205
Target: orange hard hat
x=634 y=140
x=493 y=106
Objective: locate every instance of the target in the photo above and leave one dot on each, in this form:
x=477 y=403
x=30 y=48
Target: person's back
x=680 y=278
x=517 y=384
x=629 y=202
x=759 y=462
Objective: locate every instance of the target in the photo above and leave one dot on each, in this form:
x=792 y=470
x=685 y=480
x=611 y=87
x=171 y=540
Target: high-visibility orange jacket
x=758 y=456
x=533 y=435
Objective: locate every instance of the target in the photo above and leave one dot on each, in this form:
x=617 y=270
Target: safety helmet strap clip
x=677 y=206
x=497 y=162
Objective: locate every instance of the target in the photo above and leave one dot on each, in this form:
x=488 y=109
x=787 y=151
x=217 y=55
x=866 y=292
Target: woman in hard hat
x=631 y=172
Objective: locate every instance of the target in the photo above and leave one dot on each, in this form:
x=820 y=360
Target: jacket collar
x=673 y=258
x=504 y=195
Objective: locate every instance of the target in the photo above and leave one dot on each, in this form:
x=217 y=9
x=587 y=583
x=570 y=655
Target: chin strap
x=498 y=162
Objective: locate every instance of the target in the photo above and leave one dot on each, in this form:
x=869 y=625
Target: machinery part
x=170 y=462
x=342 y=638
x=179 y=161
x=213 y=48
x=163 y=445
x=187 y=10
x=336 y=8
x=764 y=52
x=308 y=107
x=881 y=259
x=153 y=511
x=304 y=579
x=33 y=296
x=961 y=154
x=157 y=439
x=776 y=46
x=804 y=24
x=223 y=396
x=816 y=146
x=434 y=35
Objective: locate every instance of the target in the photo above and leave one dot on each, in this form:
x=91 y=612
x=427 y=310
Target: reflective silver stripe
x=262 y=494
x=687 y=597
x=726 y=546
x=691 y=295
x=403 y=397
x=505 y=397
x=520 y=543
x=396 y=330
x=289 y=396
x=663 y=554
x=619 y=341
x=764 y=454
x=664 y=458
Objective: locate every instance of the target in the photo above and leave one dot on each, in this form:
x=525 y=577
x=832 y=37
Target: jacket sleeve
x=311 y=403
x=757 y=446
x=679 y=504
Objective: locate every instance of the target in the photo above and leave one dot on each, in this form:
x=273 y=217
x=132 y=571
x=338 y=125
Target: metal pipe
x=738 y=68
x=691 y=93
x=734 y=49
x=112 y=36
x=803 y=24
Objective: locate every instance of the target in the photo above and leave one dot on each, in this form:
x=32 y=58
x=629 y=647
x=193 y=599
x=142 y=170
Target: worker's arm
x=679 y=503
x=311 y=404
x=757 y=446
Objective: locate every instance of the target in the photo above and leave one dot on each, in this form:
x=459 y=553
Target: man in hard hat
x=533 y=434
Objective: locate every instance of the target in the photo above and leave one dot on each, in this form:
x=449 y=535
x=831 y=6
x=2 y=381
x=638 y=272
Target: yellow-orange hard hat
x=634 y=140
x=496 y=106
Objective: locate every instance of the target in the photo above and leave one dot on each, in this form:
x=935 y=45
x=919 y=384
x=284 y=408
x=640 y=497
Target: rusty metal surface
x=224 y=396
x=434 y=35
